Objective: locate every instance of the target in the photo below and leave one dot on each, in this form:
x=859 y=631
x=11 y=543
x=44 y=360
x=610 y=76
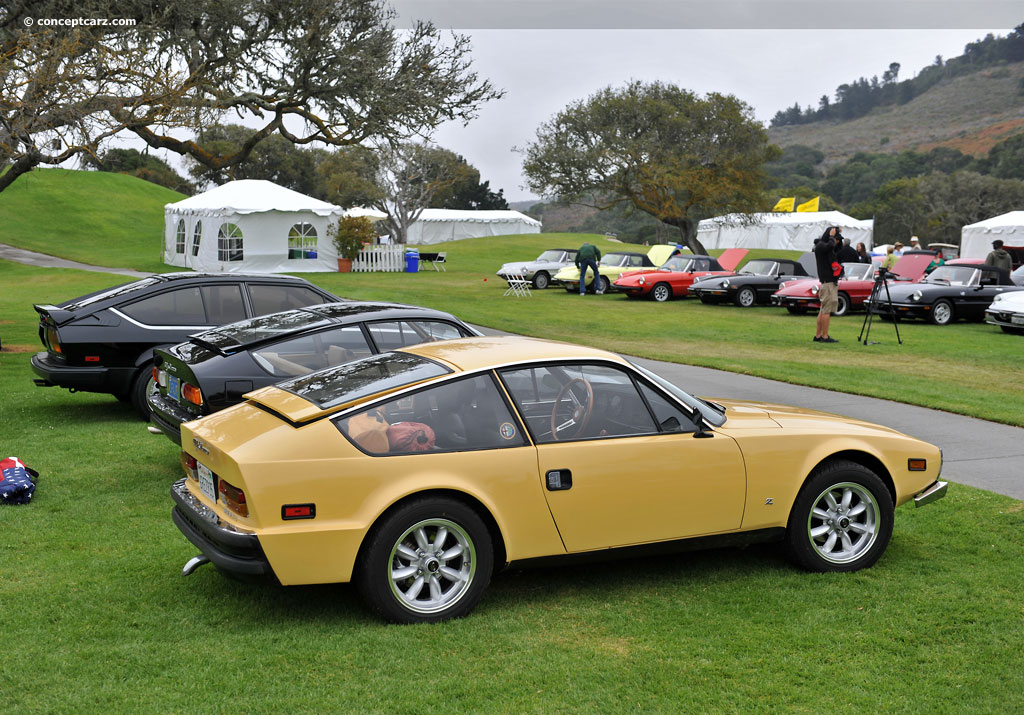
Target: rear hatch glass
x=240 y=335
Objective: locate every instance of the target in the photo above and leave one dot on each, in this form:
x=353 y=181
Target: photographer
x=829 y=271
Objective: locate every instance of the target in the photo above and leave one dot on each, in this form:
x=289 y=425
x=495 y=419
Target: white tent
x=976 y=239
x=786 y=231
x=438 y=225
x=252 y=226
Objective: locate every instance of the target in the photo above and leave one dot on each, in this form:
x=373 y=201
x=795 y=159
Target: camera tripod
x=872 y=311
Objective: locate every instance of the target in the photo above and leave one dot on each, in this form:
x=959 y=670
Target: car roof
x=361 y=309
x=469 y=354
x=184 y=275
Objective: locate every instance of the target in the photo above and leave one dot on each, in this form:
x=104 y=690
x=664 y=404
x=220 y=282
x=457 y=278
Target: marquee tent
x=438 y=225
x=253 y=226
x=787 y=231
x=976 y=239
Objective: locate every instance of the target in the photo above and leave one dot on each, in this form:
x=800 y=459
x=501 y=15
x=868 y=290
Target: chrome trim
x=934 y=492
x=159 y=327
x=206 y=513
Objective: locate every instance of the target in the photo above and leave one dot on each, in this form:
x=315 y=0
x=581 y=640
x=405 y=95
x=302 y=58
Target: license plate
x=174 y=388
x=206 y=482
x=1017 y=319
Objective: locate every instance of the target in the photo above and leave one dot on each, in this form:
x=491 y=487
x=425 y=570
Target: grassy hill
x=970 y=113
x=89 y=216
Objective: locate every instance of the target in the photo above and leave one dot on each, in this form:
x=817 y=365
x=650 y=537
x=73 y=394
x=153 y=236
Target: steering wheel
x=581 y=411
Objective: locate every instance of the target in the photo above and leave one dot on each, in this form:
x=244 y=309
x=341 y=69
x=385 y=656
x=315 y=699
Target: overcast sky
x=542 y=71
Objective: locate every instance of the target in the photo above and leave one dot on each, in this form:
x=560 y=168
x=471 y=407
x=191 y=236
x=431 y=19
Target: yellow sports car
x=613 y=265
x=417 y=473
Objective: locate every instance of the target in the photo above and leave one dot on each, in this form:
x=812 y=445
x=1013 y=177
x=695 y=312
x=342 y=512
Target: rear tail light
x=159 y=376
x=190 y=465
x=192 y=393
x=51 y=339
x=234 y=498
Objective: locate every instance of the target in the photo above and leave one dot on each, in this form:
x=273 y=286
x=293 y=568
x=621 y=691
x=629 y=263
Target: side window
x=179 y=237
x=701 y=265
x=304 y=354
x=177 y=307
x=572 y=402
x=391 y=335
x=636 y=261
x=276 y=298
x=223 y=303
x=197 y=235
x=229 y=243
x=669 y=417
x=463 y=415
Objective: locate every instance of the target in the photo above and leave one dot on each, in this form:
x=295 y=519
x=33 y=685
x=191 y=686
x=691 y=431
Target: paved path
x=20 y=255
x=982 y=454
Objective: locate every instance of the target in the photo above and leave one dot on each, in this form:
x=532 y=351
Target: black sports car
x=213 y=370
x=754 y=283
x=948 y=293
x=104 y=341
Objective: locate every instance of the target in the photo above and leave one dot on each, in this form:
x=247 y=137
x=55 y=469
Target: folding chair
x=439 y=262
x=518 y=286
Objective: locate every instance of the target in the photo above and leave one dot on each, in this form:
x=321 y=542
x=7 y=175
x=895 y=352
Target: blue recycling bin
x=412 y=261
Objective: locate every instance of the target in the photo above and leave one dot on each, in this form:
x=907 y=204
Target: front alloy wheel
x=661 y=292
x=841 y=520
x=746 y=297
x=844 y=305
x=428 y=561
x=541 y=281
x=942 y=312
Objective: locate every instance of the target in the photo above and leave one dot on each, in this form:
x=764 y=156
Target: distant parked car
x=214 y=369
x=674 y=278
x=755 y=283
x=1007 y=311
x=614 y=265
x=950 y=292
x=104 y=341
x=540 y=271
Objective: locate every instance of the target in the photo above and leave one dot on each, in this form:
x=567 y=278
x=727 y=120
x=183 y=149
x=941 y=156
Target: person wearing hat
x=915 y=244
x=999 y=257
x=898 y=249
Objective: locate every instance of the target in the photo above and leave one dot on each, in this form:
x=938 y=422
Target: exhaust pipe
x=194 y=563
x=153 y=429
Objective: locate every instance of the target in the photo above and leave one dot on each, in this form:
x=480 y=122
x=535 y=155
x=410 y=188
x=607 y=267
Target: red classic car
x=674 y=278
x=854 y=288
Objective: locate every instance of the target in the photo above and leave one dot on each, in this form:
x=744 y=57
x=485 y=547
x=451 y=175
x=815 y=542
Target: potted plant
x=348 y=236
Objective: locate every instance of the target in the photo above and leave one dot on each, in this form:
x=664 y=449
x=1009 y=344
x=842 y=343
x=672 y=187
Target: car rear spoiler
x=58 y=316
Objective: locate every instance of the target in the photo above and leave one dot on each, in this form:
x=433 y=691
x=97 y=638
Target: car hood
x=744 y=414
x=516 y=266
x=902 y=291
x=1013 y=300
x=799 y=287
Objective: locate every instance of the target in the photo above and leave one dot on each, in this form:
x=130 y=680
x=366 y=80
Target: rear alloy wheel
x=142 y=387
x=844 y=305
x=746 y=297
x=430 y=560
x=942 y=312
x=841 y=520
x=541 y=280
x=661 y=292
x=796 y=309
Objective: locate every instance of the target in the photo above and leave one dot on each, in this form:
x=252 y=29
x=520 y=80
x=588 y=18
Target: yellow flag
x=811 y=205
x=785 y=204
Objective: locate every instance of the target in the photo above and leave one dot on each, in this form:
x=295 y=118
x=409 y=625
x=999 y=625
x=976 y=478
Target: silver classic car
x=539 y=272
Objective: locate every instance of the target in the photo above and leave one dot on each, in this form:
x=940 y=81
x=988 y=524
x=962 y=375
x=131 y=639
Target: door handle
x=558 y=480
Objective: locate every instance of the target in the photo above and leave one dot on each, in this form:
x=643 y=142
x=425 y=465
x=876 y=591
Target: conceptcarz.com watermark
x=79 y=22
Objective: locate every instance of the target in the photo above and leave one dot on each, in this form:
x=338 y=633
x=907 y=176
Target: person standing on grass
x=589 y=255
x=999 y=257
x=829 y=270
x=847 y=253
x=890 y=258
x=862 y=254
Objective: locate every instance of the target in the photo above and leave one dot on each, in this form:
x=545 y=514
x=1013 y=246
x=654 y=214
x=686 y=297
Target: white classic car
x=1007 y=311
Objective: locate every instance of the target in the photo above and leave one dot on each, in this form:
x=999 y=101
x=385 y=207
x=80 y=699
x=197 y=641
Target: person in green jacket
x=588 y=255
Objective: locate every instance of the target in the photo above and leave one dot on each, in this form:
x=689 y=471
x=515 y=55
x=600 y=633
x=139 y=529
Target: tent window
x=302 y=241
x=229 y=242
x=179 y=237
x=197 y=233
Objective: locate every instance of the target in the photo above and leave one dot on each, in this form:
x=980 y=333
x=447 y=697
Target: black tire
x=541 y=280
x=707 y=301
x=142 y=385
x=746 y=297
x=601 y=285
x=380 y=558
x=844 y=305
x=570 y=289
x=943 y=312
x=661 y=292
x=1011 y=330
x=796 y=309
x=811 y=538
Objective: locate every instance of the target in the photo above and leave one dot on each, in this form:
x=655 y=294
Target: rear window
x=377 y=373
x=126 y=289
x=392 y=335
x=176 y=307
x=275 y=298
x=259 y=329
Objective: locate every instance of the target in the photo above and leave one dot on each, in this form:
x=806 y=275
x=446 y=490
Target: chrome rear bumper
x=934 y=492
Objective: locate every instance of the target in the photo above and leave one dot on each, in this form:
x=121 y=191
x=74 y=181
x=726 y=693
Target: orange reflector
x=917 y=465
x=234 y=498
x=192 y=394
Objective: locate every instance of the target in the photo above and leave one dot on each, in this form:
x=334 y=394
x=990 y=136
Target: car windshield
x=711 y=412
x=256 y=330
x=760 y=268
x=858 y=271
x=678 y=263
x=378 y=373
x=120 y=290
x=550 y=256
x=954 y=275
